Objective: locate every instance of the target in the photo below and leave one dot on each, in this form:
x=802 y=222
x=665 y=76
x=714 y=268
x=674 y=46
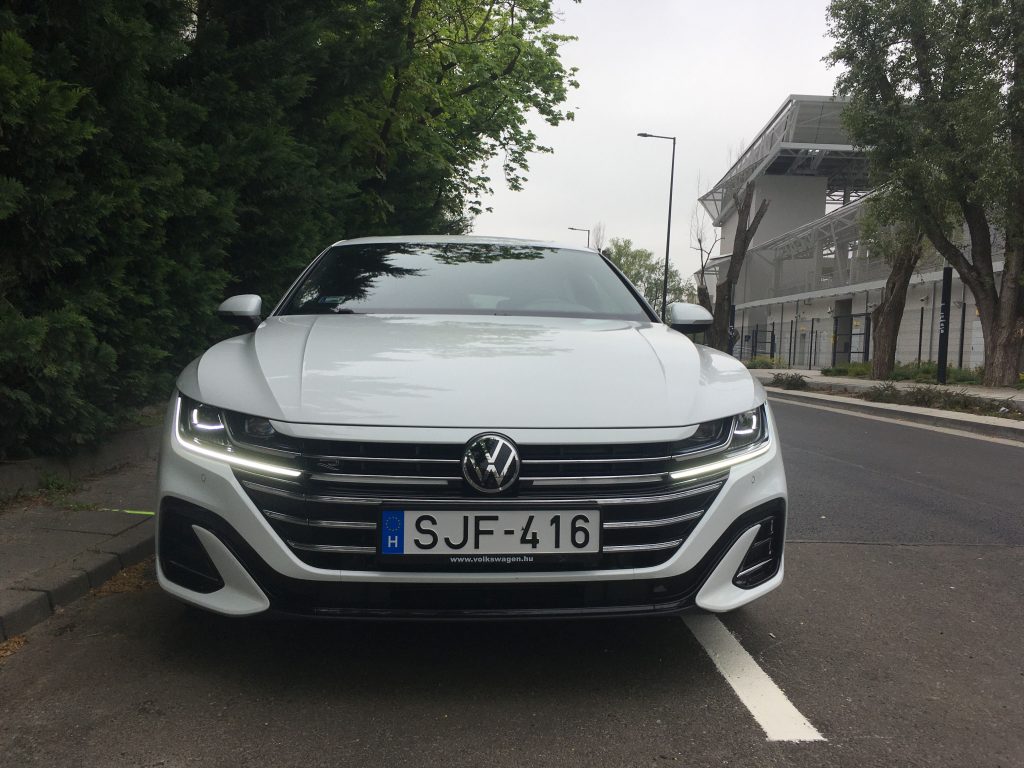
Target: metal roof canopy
x=799 y=243
x=805 y=137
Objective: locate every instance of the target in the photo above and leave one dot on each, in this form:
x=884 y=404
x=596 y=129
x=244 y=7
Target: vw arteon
x=465 y=427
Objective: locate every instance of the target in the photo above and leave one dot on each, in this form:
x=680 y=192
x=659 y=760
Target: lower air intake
x=764 y=557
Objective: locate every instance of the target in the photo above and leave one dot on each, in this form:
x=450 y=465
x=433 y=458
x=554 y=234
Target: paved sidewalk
x=55 y=548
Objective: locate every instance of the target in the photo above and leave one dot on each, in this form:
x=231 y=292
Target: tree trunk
x=1002 y=319
x=1002 y=358
x=887 y=316
x=704 y=297
x=745 y=230
x=720 y=316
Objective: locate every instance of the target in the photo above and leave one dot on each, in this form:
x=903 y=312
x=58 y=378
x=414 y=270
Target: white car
x=467 y=427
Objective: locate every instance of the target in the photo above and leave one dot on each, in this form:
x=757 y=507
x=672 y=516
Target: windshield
x=463 y=278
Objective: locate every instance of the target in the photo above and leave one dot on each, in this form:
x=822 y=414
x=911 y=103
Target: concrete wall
x=794 y=201
x=926 y=296
x=728 y=235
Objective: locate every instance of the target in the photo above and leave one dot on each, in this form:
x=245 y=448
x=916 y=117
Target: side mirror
x=243 y=311
x=688 y=318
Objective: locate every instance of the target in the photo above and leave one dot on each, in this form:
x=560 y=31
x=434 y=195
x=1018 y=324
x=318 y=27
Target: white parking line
x=775 y=713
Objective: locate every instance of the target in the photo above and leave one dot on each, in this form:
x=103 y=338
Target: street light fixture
x=581 y=229
x=668 y=236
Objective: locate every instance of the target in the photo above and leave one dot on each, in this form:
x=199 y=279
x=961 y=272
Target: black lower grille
x=342 y=533
x=183 y=559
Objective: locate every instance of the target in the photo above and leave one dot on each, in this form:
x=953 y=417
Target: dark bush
x=788 y=381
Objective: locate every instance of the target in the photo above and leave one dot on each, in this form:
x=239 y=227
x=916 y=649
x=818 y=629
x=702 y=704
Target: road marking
x=128 y=511
x=900 y=422
x=778 y=717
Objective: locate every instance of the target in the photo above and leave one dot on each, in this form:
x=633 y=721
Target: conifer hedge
x=159 y=155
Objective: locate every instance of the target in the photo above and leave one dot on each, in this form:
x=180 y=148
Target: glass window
x=463 y=278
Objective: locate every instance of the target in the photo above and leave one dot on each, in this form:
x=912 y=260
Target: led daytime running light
x=238 y=461
x=718 y=466
x=752 y=428
x=197 y=424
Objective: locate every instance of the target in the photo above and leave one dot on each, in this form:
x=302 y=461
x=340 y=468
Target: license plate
x=407 y=532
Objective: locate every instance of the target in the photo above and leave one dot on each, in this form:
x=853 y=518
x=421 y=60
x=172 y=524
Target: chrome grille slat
x=643 y=547
x=355 y=525
x=599 y=461
x=332 y=548
x=462 y=501
x=751 y=569
x=326 y=457
x=299 y=496
x=628 y=524
x=329 y=477
x=547 y=482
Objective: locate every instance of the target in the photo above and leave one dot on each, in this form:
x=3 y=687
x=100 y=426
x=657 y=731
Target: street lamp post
x=668 y=236
x=581 y=229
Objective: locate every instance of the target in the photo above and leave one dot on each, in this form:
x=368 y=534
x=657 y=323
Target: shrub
x=886 y=392
x=923 y=396
x=937 y=397
x=763 y=361
x=927 y=373
x=788 y=381
x=855 y=370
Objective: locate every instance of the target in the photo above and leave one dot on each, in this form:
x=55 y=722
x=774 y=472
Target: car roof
x=476 y=239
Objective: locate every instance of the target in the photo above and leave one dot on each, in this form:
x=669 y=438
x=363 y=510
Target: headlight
x=748 y=439
x=748 y=428
x=205 y=423
x=261 y=429
x=207 y=431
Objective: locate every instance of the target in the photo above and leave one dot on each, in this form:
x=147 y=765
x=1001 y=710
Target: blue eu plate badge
x=392 y=532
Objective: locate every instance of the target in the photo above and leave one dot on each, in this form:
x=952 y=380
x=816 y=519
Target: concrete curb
x=990 y=426
x=35 y=598
x=125 y=447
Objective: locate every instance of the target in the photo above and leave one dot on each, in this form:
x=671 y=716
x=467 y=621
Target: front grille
x=329 y=518
x=426 y=470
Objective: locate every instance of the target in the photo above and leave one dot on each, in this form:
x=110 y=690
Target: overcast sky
x=711 y=74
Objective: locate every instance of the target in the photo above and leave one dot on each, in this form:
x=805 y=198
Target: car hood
x=486 y=372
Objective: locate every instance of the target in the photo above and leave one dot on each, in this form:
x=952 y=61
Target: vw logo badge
x=490 y=463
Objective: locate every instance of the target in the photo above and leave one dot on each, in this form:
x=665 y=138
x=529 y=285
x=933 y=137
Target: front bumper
x=248 y=585
x=206 y=514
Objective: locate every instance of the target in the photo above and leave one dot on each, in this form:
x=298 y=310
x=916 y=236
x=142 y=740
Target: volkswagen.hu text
x=465 y=427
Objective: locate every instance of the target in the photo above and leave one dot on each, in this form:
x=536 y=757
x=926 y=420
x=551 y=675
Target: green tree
x=647 y=272
x=337 y=118
x=91 y=173
x=936 y=91
x=158 y=154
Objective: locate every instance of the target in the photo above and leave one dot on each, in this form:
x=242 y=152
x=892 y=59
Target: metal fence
x=807 y=343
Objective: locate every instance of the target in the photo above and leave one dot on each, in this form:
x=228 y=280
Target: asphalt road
x=897 y=634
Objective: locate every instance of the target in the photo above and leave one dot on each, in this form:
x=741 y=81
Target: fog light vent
x=764 y=557
x=183 y=558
